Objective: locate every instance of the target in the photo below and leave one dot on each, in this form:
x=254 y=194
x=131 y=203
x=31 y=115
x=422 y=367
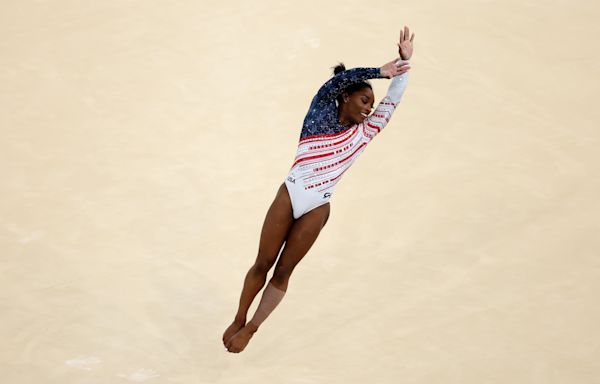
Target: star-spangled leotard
x=327 y=148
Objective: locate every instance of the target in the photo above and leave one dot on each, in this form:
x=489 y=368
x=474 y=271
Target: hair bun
x=339 y=68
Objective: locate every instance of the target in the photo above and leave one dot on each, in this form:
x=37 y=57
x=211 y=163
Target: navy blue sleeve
x=321 y=118
x=336 y=85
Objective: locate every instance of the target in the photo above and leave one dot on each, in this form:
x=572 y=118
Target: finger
x=406 y=32
x=401 y=35
x=412 y=37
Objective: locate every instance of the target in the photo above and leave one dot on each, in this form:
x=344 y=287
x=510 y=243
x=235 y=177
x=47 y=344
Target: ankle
x=252 y=327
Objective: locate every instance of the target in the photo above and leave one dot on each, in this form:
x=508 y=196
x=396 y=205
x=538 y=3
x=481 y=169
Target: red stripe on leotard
x=311 y=157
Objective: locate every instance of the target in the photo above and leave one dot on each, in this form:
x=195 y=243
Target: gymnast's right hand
x=394 y=68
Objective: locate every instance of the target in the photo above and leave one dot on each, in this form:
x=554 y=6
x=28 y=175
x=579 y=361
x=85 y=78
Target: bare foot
x=239 y=341
x=232 y=330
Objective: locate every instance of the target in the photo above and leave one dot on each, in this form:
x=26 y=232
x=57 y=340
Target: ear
x=345 y=96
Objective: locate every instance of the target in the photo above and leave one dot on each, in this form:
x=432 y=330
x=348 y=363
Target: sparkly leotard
x=327 y=148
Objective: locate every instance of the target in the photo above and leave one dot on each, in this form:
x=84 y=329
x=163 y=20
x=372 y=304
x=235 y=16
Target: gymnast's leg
x=301 y=237
x=276 y=226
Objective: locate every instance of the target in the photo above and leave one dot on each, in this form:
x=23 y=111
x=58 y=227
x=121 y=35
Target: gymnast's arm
x=383 y=113
x=336 y=85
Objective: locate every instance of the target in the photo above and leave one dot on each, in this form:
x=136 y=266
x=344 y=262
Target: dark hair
x=352 y=87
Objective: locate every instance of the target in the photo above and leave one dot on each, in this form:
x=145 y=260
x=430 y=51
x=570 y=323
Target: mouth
x=364 y=115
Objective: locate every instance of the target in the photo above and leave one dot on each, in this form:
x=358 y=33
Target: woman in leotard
x=336 y=130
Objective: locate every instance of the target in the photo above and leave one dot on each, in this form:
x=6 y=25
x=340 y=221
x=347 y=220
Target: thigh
x=301 y=237
x=276 y=226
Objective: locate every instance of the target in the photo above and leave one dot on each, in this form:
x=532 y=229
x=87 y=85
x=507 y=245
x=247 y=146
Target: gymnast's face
x=358 y=105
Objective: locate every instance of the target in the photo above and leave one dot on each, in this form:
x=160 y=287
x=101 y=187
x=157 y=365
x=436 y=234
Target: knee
x=282 y=273
x=262 y=267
